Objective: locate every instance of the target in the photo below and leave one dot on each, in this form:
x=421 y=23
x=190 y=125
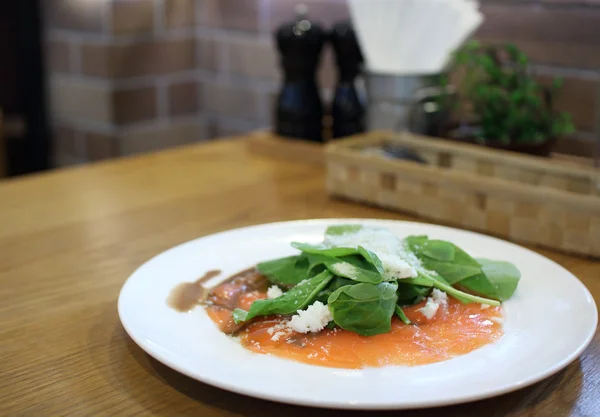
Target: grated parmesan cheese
x=277 y=336
x=397 y=261
x=274 y=291
x=430 y=309
x=485 y=306
x=313 y=319
x=439 y=297
x=278 y=331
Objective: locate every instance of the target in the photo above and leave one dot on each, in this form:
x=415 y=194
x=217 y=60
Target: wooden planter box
x=524 y=198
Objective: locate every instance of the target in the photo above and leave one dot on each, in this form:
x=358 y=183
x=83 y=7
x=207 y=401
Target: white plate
x=549 y=322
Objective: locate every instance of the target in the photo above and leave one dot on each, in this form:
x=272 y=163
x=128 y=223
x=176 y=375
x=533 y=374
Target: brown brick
x=133 y=105
x=80 y=100
x=100 y=146
x=231 y=100
x=179 y=13
x=531 y=23
x=153 y=138
x=230 y=14
x=183 y=98
x=250 y=57
x=84 y=16
x=578 y=97
x=59 y=56
x=139 y=59
x=206 y=53
x=325 y=12
x=132 y=16
x=224 y=128
x=65 y=141
x=534 y=29
x=573 y=2
x=96 y=60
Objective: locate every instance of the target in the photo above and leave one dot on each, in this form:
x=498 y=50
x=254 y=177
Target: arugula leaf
x=291 y=301
x=342 y=229
x=365 y=309
x=498 y=280
x=401 y=315
x=322 y=249
x=285 y=271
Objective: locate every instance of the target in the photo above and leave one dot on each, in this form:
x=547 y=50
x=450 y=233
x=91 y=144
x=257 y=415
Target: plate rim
x=290 y=399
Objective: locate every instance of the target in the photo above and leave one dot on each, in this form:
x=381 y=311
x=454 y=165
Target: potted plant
x=499 y=102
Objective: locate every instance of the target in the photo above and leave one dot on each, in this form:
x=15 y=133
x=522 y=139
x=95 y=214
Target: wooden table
x=70 y=238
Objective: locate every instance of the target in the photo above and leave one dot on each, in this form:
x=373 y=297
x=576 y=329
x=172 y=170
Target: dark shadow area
x=22 y=85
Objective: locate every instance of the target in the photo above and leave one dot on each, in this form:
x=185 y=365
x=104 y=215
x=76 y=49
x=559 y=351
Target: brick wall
x=128 y=76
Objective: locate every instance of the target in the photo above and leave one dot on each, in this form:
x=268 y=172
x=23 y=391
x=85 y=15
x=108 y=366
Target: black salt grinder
x=347 y=110
x=299 y=109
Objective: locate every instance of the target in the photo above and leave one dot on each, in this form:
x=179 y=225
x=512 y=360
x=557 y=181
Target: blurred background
x=89 y=80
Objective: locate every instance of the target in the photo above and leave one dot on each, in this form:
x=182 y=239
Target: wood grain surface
x=69 y=239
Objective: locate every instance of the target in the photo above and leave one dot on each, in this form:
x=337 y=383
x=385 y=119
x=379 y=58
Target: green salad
x=365 y=275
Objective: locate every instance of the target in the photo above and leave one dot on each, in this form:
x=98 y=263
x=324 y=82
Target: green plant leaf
x=438 y=282
x=498 y=280
x=460 y=267
x=372 y=259
x=334 y=284
x=409 y=294
x=285 y=271
x=291 y=301
x=315 y=259
x=342 y=229
x=439 y=250
x=365 y=309
x=322 y=249
x=508 y=104
x=401 y=315
x=557 y=83
x=347 y=270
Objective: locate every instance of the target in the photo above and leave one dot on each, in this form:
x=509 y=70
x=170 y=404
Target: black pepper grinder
x=347 y=110
x=299 y=109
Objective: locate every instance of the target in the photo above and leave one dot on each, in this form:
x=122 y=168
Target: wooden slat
x=528 y=199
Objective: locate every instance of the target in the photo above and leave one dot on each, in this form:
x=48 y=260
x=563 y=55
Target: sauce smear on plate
x=455 y=330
